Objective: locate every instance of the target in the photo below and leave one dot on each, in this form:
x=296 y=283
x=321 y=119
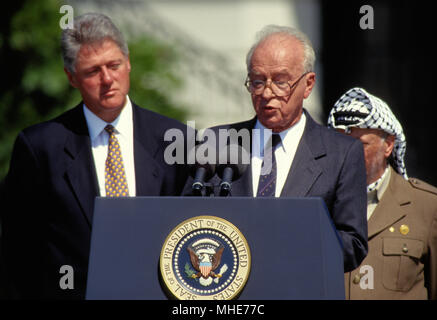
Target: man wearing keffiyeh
x=401 y=212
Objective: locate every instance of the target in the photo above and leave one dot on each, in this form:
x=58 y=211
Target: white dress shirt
x=99 y=143
x=284 y=152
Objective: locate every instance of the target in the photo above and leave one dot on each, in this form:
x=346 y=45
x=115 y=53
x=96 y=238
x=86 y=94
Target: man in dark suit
x=105 y=146
x=308 y=160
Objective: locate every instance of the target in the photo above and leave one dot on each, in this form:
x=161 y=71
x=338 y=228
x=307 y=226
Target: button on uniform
x=356 y=279
x=404 y=229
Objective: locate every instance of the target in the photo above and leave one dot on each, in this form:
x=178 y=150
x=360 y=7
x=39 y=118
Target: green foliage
x=152 y=79
x=36 y=88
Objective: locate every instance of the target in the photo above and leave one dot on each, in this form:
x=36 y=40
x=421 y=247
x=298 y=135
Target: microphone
x=233 y=162
x=201 y=171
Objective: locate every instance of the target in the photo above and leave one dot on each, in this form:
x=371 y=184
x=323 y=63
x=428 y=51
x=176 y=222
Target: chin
x=113 y=102
x=269 y=122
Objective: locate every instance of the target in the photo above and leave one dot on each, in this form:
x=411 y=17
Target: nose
x=106 y=76
x=268 y=92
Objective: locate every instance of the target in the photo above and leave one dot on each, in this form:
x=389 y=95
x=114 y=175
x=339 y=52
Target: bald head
x=279 y=49
x=285 y=35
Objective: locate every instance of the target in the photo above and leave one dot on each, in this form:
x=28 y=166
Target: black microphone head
x=235 y=157
x=202 y=161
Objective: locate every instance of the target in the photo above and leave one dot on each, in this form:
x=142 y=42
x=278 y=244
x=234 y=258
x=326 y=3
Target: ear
x=128 y=64
x=71 y=78
x=310 y=81
x=389 y=144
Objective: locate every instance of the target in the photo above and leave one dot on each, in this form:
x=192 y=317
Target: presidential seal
x=205 y=258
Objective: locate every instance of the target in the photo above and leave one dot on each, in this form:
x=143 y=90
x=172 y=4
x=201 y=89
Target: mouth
x=269 y=109
x=109 y=93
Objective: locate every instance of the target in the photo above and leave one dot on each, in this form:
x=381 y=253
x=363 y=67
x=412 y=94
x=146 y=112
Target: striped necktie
x=267 y=182
x=115 y=177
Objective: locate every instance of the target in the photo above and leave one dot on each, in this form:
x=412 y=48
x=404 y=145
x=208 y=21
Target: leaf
x=188 y=270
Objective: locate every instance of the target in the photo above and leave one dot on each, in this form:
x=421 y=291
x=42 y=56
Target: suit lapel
x=242 y=187
x=394 y=206
x=304 y=170
x=80 y=172
x=148 y=175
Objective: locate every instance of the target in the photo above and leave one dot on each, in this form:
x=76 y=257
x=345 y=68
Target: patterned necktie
x=267 y=182
x=115 y=177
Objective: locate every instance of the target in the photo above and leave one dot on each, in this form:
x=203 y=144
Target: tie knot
x=276 y=140
x=110 y=129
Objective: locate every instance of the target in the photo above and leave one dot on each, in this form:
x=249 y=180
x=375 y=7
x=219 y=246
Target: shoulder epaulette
x=421 y=185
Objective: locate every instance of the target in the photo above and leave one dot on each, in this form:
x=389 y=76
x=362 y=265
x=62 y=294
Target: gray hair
x=89 y=28
x=267 y=31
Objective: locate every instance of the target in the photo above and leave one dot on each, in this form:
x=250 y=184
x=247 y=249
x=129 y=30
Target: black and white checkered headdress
x=358 y=108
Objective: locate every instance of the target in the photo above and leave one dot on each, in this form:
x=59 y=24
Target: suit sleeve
x=22 y=253
x=350 y=207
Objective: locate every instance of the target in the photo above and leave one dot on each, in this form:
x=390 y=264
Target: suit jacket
x=329 y=165
x=50 y=189
x=402 y=245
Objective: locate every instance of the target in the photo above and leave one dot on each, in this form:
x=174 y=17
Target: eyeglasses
x=279 y=88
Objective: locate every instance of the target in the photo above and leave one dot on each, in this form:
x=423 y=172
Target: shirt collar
x=384 y=183
x=287 y=136
x=376 y=193
x=121 y=124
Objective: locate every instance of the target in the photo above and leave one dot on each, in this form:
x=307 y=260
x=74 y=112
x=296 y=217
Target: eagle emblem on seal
x=205 y=257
